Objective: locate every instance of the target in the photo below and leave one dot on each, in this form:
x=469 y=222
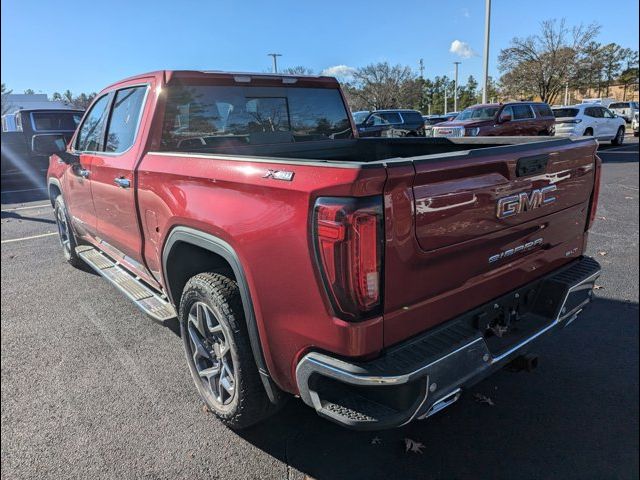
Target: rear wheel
x=218 y=351
x=65 y=233
x=619 y=138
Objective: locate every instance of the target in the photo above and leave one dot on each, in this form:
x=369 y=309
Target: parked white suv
x=635 y=124
x=625 y=110
x=590 y=120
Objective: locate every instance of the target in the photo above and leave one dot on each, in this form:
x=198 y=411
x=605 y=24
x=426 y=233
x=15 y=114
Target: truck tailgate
x=452 y=244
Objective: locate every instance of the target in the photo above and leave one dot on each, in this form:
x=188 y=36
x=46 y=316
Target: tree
x=542 y=64
x=29 y=91
x=56 y=97
x=4 y=99
x=382 y=85
x=68 y=96
x=629 y=76
x=298 y=70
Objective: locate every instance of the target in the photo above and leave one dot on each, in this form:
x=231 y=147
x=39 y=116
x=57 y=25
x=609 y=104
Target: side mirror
x=48 y=144
x=505 y=117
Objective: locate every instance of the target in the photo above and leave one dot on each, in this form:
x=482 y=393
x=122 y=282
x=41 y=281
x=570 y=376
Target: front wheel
x=619 y=138
x=218 y=351
x=65 y=233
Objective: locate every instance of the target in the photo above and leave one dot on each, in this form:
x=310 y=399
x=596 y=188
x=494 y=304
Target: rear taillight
x=348 y=243
x=593 y=205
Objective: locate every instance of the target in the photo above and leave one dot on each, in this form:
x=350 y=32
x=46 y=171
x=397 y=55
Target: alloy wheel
x=63 y=229
x=211 y=353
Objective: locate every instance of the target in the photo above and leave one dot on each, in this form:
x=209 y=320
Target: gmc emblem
x=523 y=202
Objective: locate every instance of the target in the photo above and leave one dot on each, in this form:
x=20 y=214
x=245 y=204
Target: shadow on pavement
x=13 y=215
x=576 y=416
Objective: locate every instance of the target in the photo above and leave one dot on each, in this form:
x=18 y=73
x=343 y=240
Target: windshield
x=360 y=117
x=481 y=113
x=53 y=121
x=565 y=112
x=202 y=117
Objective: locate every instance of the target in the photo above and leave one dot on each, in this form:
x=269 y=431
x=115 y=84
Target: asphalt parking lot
x=92 y=388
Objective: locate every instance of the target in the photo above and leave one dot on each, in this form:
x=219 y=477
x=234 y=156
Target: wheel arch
x=184 y=242
x=54 y=190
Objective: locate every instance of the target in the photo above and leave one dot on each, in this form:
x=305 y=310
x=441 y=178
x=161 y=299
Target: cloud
x=340 y=71
x=462 y=49
x=466 y=13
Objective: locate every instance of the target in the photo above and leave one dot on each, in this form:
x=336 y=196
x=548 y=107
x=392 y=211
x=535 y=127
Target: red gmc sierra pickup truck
x=376 y=279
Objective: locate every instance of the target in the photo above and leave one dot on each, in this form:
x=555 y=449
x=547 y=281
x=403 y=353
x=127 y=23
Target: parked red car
x=377 y=279
x=506 y=119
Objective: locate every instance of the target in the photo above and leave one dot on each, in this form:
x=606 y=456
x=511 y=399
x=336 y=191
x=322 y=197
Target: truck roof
x=166 y=76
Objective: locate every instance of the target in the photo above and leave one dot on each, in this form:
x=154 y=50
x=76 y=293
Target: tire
x=218 y=351
x=588 y=132
x=65 y=233
x=619 y=138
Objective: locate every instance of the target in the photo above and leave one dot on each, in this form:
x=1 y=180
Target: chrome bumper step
x=145 y=298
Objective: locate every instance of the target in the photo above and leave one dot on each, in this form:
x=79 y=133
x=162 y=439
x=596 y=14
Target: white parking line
x=11 y=240
x=26 y=208
x=26 y=190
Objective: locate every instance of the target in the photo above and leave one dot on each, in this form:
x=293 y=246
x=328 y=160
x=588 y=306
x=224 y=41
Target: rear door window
x=124 y=120
x=91 y=134
x=592 y=112
x=522 y=112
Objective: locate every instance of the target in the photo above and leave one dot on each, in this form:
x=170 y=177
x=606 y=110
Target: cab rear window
x=201 y=117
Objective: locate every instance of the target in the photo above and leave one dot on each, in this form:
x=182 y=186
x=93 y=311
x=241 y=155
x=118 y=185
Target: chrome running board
x=145 y=298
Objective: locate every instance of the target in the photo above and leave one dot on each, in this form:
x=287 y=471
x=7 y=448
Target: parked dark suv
x=33 y=136
x=391 y=123
x=510 y=119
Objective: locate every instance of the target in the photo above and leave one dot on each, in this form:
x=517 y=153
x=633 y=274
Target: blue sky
x=54 y=45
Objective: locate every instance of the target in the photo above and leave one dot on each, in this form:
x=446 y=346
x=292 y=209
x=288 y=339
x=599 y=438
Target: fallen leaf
x=412 y=446
x=376 y=441
x=603 y=253
x=598 y=287
x=205 y=409
x=483 y=399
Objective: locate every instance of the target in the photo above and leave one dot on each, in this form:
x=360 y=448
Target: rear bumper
x=427 y=373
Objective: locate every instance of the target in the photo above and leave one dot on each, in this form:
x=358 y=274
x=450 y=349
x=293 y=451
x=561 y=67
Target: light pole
x=487 y=33
x=455 y=91
x=445 y=100
x=275 y=60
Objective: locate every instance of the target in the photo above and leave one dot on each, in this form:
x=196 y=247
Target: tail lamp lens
x=593 y=207
x=348 y=242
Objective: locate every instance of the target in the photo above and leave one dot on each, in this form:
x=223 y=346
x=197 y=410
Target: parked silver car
x=625 y=110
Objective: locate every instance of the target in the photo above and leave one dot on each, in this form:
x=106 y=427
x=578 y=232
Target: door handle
x=122 y=182
x=83 y=172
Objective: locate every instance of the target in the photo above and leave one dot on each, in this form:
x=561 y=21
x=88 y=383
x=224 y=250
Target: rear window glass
x=208 y=117
x=51 y=121
x=565 y=112
x=521 y=112
x=542 y=110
